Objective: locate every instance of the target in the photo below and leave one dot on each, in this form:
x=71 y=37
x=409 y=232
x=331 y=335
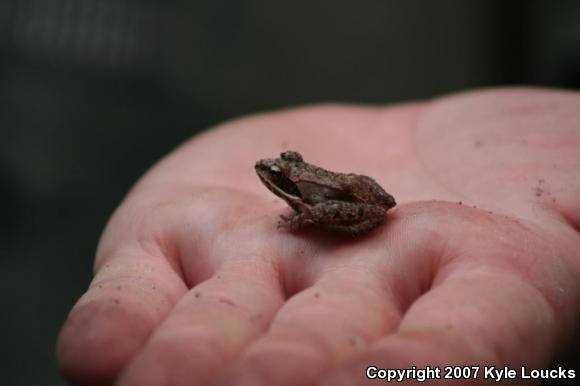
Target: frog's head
x=273 y=172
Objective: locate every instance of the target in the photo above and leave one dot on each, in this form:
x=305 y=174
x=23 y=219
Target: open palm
x=478 y=264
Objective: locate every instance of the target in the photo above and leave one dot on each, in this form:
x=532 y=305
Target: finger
x=471 y=320
x=210 y=325
x=130 y=294
x=346 y=309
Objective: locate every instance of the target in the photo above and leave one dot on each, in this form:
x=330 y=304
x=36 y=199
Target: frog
x=344 y=203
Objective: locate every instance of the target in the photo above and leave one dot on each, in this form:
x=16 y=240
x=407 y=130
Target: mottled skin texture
x=339 y=202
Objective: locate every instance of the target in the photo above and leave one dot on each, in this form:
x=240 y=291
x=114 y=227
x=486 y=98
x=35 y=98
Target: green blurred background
x=92 y=92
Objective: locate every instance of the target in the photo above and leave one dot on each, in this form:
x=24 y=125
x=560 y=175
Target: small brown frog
x=345 y=203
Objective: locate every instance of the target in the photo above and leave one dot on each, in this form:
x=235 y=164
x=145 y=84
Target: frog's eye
x=292 y=156
x=275 y=169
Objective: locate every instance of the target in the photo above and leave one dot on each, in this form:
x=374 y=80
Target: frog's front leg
x=341 y=216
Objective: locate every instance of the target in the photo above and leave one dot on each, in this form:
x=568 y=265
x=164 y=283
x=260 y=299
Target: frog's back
x=317 y=175
x=369 y=191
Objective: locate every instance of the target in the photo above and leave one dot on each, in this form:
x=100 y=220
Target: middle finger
x=347 y=308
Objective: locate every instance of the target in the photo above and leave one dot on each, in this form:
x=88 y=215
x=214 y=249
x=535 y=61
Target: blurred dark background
x=92 y=92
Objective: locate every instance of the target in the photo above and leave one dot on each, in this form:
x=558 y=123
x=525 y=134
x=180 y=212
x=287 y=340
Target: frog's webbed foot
x=285 y=220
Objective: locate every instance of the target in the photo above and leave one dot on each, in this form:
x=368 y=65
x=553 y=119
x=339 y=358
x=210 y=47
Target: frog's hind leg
x=295 y=222
x=352 y=218
x=357 y=229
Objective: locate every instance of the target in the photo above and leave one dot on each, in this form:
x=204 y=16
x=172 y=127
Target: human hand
x=194 y=284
